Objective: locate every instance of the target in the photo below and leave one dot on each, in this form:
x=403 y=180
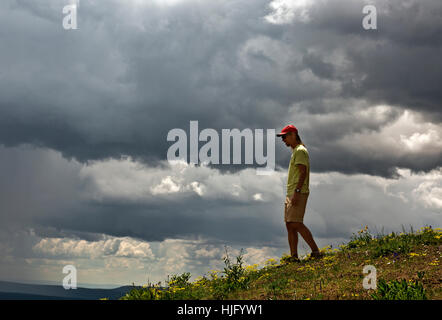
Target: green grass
x=400 y=290
x=407 y=264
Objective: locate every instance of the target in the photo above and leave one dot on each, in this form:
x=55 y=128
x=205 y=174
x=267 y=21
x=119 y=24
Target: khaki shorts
x=295 y=213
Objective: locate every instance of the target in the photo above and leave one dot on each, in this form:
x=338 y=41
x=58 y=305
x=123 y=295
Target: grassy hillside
x=407 y=266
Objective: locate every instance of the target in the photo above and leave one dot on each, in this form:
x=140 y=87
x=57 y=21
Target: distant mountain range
x=22 y=291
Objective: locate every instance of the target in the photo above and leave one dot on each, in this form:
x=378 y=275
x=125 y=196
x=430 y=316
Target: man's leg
x=293 y=239
x=306 y=235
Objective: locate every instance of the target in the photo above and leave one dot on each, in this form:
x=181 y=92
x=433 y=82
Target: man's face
x=288 y=139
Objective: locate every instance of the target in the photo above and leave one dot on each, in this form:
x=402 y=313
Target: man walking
x=297 y=193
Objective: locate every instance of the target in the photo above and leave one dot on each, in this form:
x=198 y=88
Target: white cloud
x=430 y=193
x=197 y=187
x=286 y=11
x=419 y=189
x=167 y=185
x=111 y=246
x=421 y=140
x=208 y=252
x=260 y=255
x=406 y=135
x=257 y=197
x=127 y=180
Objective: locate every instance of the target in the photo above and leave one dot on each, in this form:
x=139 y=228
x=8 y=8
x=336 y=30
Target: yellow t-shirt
x=299 y=156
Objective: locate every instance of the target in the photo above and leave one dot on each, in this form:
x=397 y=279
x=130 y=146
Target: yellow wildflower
x=271 y=261
x=434 y=263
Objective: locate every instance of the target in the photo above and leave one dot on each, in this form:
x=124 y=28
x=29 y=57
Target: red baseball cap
x=287 y=129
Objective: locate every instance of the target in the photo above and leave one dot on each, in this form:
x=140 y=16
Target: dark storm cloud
x=132 y=72
x=400 y=60
x=159 y=221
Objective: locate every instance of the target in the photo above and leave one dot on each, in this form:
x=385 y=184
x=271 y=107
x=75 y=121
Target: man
x=297 y=193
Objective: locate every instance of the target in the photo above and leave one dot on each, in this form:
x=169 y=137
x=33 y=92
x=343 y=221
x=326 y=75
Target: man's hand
x=294 y=198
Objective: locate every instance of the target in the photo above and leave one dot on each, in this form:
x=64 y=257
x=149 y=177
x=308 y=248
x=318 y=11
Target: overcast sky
x=84 y=118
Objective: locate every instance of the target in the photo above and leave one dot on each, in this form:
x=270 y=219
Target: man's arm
x=303 y=173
